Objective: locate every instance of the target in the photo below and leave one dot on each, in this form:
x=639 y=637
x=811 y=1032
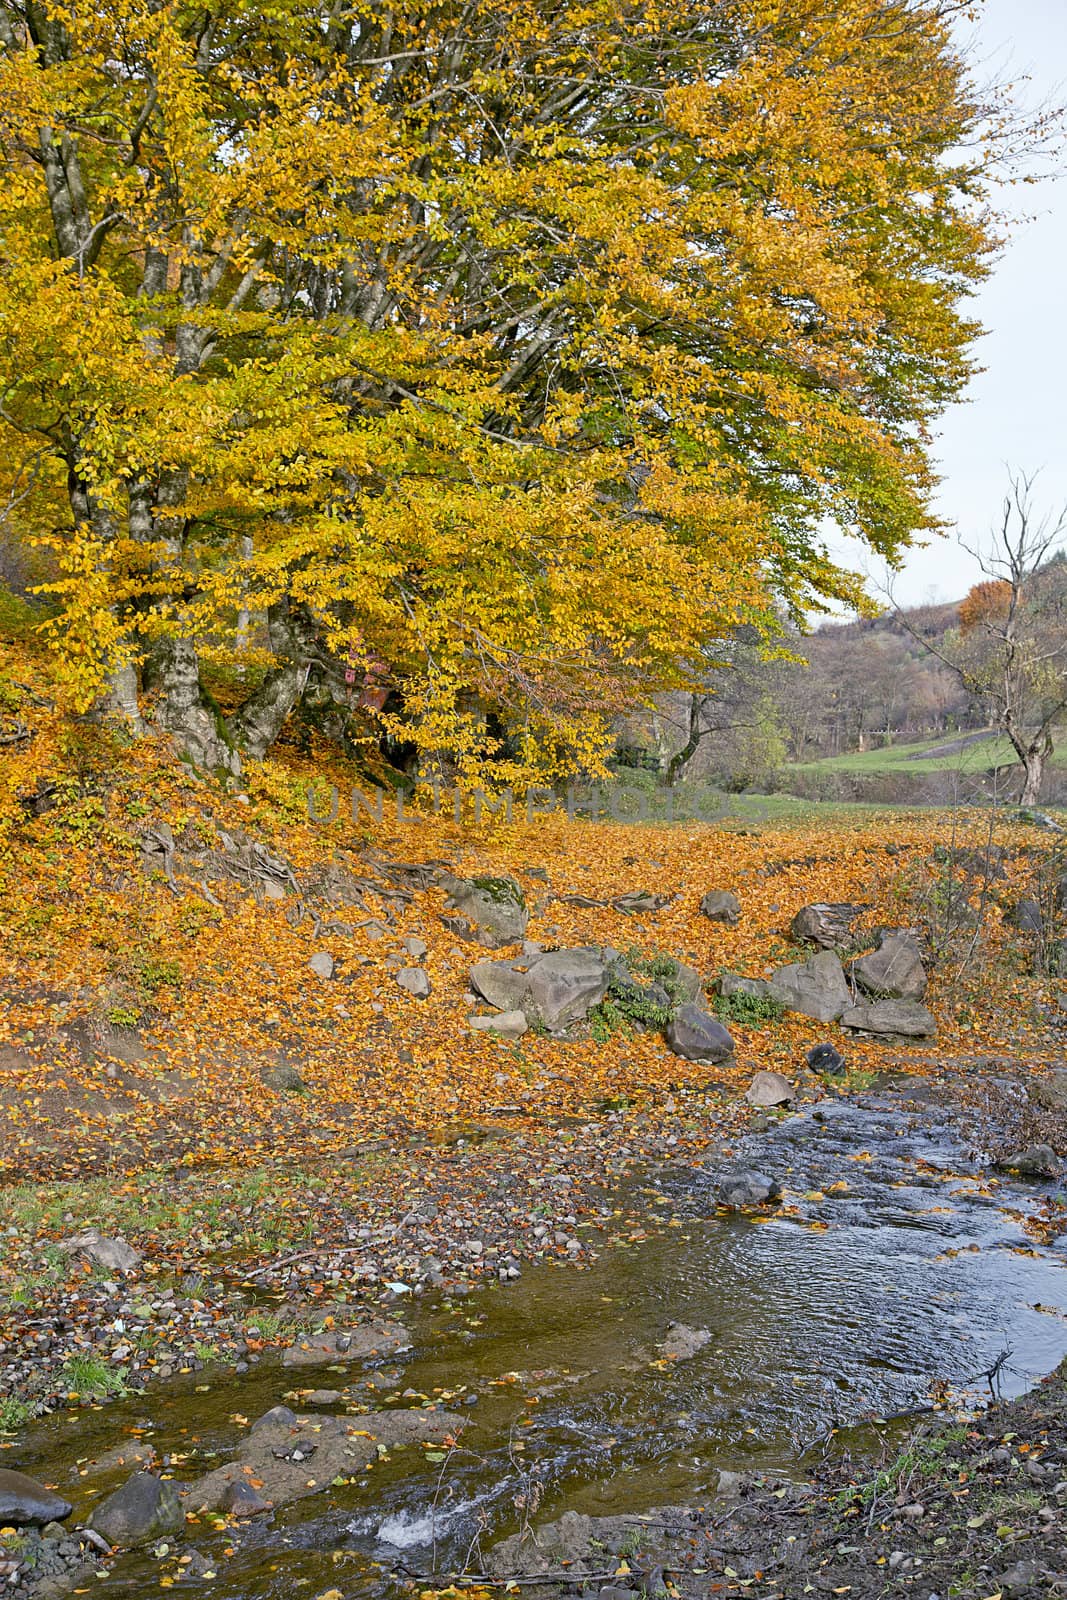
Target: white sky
x=1016 y=409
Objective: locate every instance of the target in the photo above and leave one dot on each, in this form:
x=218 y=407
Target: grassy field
x=941 y=755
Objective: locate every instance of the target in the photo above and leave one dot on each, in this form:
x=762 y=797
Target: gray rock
x=25 y=1503
x=730 y=983
x=639 y=902
x=1027 y=916
x=894 y=971
x=508 y=1024
x=900 y=1019
x=494 y=909
x=729 y=1485
x=1036 y=1161
x=827 y=924
x=144 y=1509
x=416 y=948
x=719 y=905
x=114 y=1254
x=682 y=1343
x=563 y=987
x=321 y=964
x=770 y=1089
x=281 y=1077
x=355 y=1344
x=1050 y=1092
x=241 y=1500
x=824 y=1058
x=746 y=1188
x=815 y=988
x=505 y=984
x=686 y=983
x=695 y=1036
x=415 y=980
x=292 y=1460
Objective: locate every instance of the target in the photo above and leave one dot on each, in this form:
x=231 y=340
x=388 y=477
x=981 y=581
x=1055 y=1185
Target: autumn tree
x=483 y=362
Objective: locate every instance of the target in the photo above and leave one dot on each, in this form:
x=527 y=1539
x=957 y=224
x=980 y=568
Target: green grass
x=924 y=757
x=91 y=1378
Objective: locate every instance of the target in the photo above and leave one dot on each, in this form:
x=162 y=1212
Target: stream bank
x=779 y=1344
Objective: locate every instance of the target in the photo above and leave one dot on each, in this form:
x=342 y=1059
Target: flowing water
x=893 y=1274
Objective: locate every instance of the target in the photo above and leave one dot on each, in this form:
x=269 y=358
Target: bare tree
x=1010 y=652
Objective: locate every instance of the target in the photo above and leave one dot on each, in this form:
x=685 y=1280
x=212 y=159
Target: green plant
x=748 y=1010
x=123 y=1016
x=92 y=1379
x=14 y=1414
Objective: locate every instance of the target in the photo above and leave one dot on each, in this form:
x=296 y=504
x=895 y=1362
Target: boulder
x=770 y=1089
x=1037 y=1161
x=1027 y=916
x=731 y=983
x=746 y=1188
x=114 y=1254
x=503 y=983
x=416 y=948
x=686 y=983
x=719 y=905
x=894 y=971
x=563 y=987
x=25 y=1503
x=144 y=1509
x=695 y=1036
x=894 y=1019
x=415 y=980
x=815 y=988
x=321 y=964
x=825 y=1059
x=242 y=1500
x=508 y=1024
x=827 y=924
x=494 y=909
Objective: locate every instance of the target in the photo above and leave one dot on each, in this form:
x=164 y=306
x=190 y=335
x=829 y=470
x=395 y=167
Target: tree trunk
x=260 y=720
x=198 y=729
x=1034 y=768
x=680 y=760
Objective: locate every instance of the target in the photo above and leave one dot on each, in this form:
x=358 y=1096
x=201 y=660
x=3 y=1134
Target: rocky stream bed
x=714 y=1403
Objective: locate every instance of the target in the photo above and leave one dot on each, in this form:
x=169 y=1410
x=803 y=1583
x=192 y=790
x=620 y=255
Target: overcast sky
x=1016 y=410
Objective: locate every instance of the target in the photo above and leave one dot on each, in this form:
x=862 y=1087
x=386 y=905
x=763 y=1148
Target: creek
x=894 y=1276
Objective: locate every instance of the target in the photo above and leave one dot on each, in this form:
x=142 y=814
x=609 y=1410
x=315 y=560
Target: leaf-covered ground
x=156 y=942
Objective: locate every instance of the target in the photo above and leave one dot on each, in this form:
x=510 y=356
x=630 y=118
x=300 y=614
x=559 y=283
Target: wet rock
x=894 y=971
x=144 y=1509
x=814 y=988
x=696 y=1036
x=291 y=1461
x=130 y=1455
x=114 y=1254
x=1037 y=1161
x=321 y=964
x=827 y=924
x=825 y=1059
x=564 y=987
x=508 y=1024
x=891 y=1019
x=25 y=1503
x=746 y=1188
x=277 y=1416
x=415 y=980
x=362 y=1343
x=682 y=1342
x=719 y=905
x=770 y=1089
x=242 y=1500
x=493 y=909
